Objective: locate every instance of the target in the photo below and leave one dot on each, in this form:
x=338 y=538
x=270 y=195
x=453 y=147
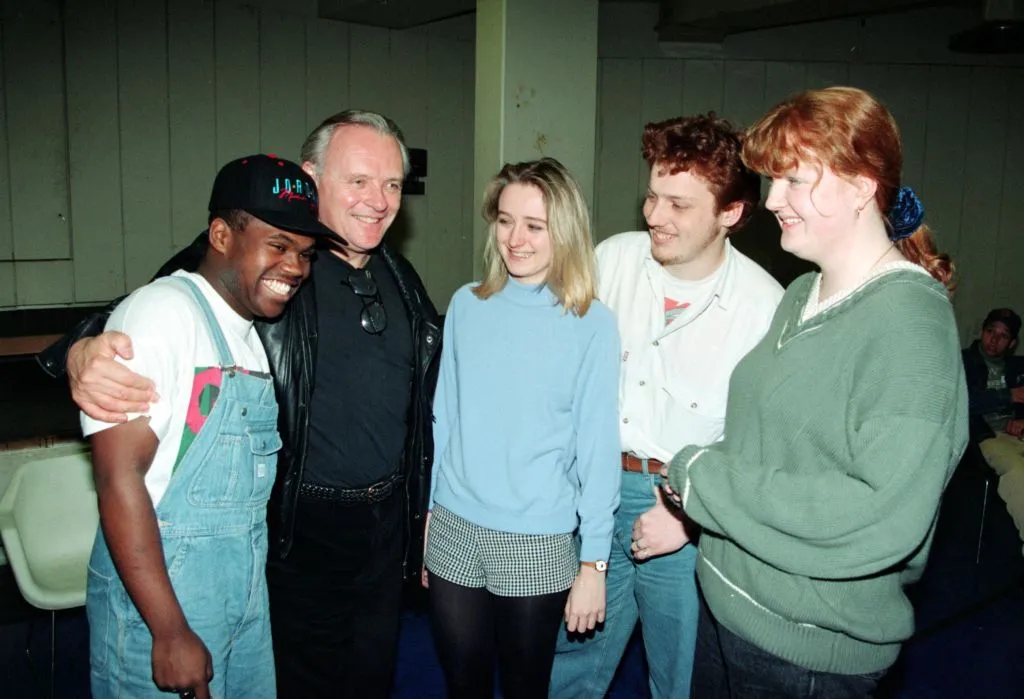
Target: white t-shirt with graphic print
x=173 y=347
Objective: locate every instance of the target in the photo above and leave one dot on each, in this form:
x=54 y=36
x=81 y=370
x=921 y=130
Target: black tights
x=471 y=624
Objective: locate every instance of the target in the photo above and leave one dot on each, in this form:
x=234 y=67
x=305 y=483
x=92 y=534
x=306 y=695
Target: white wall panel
x=126 y=108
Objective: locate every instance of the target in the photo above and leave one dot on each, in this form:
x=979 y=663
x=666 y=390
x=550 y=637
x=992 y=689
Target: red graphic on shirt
x=205 y=391
x=674 y=309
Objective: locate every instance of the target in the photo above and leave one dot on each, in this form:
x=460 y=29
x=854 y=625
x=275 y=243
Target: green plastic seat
x=48 y=521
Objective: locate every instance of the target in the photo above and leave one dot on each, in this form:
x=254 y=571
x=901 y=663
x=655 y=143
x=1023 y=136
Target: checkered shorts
x=507 y=564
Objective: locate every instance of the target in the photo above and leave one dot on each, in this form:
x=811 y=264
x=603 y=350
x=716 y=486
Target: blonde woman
x=526 y=443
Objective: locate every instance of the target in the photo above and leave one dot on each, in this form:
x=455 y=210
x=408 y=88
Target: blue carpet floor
x=978 y=655
x=969 y=608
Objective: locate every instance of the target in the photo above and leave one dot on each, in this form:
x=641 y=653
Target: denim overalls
x=213 y=526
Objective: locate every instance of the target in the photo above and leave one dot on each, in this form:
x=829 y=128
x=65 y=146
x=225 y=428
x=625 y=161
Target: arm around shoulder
x=117 y=373
x=53 y=359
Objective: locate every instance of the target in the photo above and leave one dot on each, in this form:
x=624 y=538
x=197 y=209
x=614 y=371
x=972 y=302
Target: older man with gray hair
x=354 y=364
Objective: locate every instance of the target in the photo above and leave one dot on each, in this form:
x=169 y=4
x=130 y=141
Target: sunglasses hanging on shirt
x=373 y=318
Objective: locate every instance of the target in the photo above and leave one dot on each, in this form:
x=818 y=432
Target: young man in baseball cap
x=177 y=596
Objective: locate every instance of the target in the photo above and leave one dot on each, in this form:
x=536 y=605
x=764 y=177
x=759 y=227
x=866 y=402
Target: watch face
x=601 y=565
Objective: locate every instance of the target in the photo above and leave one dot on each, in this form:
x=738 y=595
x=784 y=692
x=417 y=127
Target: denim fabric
x=213 y=529
x=728 y=667
x=661 y=592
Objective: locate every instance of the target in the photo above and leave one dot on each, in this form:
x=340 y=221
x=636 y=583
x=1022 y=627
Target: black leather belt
x=377 y=492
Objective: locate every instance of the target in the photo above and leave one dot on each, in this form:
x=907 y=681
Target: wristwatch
x=599 y=566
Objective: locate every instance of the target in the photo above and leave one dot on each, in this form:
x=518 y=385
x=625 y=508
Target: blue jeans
x=660 y=592
x=729 y=667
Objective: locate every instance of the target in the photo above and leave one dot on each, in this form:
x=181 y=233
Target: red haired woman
x=843 y=424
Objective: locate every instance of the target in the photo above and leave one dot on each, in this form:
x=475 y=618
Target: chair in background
x=48 y=521
x=991 y=482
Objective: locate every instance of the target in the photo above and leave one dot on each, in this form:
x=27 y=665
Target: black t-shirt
x=363 y=382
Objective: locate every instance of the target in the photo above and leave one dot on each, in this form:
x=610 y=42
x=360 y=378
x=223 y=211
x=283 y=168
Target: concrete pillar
x=536 y=90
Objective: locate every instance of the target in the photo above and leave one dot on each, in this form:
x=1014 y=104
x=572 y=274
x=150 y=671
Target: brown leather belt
x=634 y=464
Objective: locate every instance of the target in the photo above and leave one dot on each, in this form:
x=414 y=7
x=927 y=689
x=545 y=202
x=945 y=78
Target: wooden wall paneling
x=616 y=205
x=410 y=90
x=894 y=86
x=743 y=97
x=237 y=81
x=145 y=128
x=825 y=74
x=752 y=87
x=33 y=65
x=1009 y=281
x=906 y=96
x=945 y=153
x=282 y=49
x=448 y=259
x=94 y=142
x=469 y=208
x=662 y=89
x=411 y=99
x=743 y=102
x=369 y=74
x=193 y=115
x=327 y=56
x=6 y=231
x=8 y=294
x=982 y=194
x=43 y=282
x=703 y=86
x=781 y=81
x=661 y=97
x=873 y=77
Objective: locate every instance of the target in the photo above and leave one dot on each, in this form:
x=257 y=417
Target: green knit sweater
x=820 y=503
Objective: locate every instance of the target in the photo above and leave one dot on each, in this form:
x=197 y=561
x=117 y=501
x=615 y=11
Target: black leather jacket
x=290 y=342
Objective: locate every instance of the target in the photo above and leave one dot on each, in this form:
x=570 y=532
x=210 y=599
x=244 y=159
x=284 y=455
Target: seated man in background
x=995 y=384
x=177 y=594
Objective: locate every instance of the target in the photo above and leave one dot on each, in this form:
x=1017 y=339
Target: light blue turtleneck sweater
x=526 y=438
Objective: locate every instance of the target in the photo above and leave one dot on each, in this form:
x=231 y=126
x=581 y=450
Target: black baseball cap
x=1005 y=316
x=274 y=190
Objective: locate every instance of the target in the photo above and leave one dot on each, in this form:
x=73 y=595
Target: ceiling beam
x=394 y=14
x=699 y=20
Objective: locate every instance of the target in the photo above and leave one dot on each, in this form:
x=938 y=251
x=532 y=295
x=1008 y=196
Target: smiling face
x=360 y=186
x=687 y=229
x=262 y=266
x=521 y=233
x=814 y=208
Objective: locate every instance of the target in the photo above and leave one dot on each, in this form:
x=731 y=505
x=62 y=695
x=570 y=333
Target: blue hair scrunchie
x=905 y=215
